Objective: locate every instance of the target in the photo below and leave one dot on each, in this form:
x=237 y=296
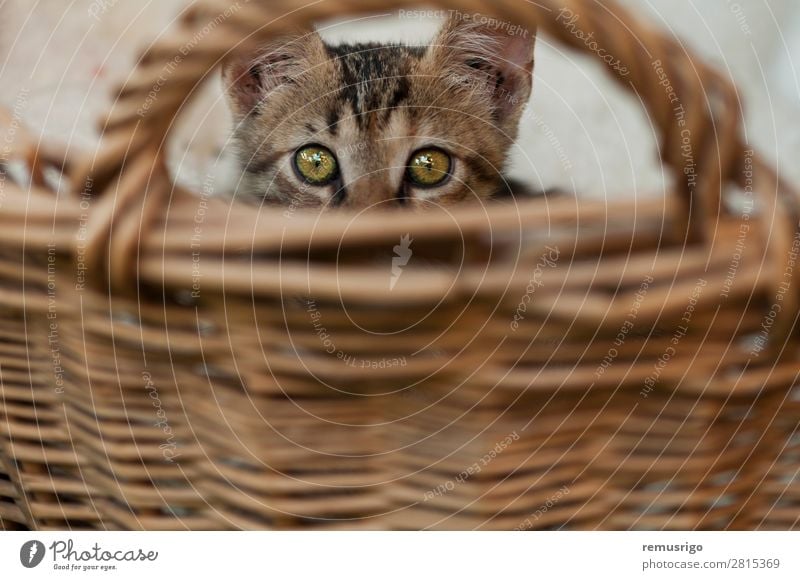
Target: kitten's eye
x=316 y=165
x=429 y=167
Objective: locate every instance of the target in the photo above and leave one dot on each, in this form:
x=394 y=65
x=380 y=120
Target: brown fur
x=373 y=105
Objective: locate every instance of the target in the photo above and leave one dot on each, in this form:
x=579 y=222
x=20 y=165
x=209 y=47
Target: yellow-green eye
x=316 y=164
x=429 y=167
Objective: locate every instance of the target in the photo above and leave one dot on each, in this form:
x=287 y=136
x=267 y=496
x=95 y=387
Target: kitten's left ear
x=250 y=79
x=491 y=56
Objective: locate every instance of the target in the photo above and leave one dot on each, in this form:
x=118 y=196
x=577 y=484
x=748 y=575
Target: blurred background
x=582 y=131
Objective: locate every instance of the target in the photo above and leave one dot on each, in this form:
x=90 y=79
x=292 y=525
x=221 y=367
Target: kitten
x=361 y=125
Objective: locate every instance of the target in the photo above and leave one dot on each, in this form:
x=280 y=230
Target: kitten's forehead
x=374 y=80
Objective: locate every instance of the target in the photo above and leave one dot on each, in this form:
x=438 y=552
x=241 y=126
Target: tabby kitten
x=361 y=125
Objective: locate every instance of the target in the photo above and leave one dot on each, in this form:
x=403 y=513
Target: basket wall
x=228 y=411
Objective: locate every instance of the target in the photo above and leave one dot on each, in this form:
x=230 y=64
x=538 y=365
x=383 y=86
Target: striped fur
x=373 y=105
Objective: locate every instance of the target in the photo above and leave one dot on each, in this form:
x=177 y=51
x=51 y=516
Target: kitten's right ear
x=249 y=79
x=488 y=58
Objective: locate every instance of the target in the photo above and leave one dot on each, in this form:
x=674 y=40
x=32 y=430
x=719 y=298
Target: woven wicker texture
x=173 y=361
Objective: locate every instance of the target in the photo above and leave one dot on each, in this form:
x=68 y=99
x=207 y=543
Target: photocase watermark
x=570 y=21
x=169 y=447
x=11 y=130
x=53 y=339
x=172 y=65
x=475 y=17
x=666 y=83
x=68 y=557
x=625 y=329
x=402 y=255
x=348 y=359
x=84 y=204
x=480 y=83
x=474 y=469
x=736 y=260
x=762 y=338
x=741 y=18
x=351 y=149
x=197 y=235
x=100 y=7
x=747 y=205
x=551 y=137
x=548 y=259
x=543 y=509
x=679 y=112
x=31 y=553
x=680 y=331
x=295 y=203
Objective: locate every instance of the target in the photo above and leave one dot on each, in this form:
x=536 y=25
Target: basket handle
x=695 y=109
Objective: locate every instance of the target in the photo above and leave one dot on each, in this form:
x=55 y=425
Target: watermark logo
x=569 y=20
x=99 y=7
x=31 y=553
x=402 y=254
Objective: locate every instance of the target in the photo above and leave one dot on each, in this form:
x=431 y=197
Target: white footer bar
x=401 y=555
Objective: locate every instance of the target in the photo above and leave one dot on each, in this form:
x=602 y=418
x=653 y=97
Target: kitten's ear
x=250 y=78
x=490 y=56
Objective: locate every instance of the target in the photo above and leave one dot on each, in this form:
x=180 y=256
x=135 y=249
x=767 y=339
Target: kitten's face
x=365 y=125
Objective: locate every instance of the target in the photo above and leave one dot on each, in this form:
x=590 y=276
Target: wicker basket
x=172 y=361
